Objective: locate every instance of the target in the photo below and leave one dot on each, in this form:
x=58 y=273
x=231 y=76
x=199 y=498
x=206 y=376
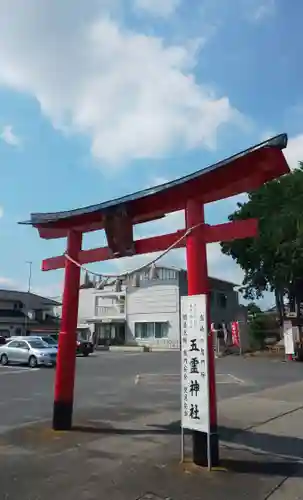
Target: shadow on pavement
x=265 y=467
x=269 y=443
x=173 y=428
x=261 y=461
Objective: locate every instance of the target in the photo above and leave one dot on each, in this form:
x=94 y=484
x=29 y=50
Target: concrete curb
x=136 y=349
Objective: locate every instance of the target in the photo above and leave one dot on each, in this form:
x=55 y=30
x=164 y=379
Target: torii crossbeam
x=240 y=173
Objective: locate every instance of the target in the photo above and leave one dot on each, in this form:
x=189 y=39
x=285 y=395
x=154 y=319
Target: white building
x=146 y=310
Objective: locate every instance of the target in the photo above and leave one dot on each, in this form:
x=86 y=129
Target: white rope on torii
x=104 y=278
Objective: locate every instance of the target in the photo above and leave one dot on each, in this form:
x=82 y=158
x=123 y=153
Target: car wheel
x=4 y=360
x=85 y=354
x=32 y=362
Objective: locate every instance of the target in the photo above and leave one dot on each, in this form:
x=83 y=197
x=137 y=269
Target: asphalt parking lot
x=125 y=441
x=110 y=381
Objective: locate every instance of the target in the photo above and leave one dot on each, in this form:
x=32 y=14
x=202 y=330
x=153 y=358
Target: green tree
x=258 y=331
x=253 y=309
x=273 y=261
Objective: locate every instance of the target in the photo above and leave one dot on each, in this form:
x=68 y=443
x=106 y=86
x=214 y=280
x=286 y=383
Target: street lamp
x=29 y=262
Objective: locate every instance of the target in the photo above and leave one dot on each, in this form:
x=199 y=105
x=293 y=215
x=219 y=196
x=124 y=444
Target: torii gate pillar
x=66 y=359
x=198 y=283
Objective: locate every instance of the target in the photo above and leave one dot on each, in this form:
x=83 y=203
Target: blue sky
x=102 y=98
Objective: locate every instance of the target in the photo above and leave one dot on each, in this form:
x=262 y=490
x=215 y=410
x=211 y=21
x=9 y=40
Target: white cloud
x=267 y=134
x=45 y=290
x=294 y=151
x=161 y=8
x=263 y=9
x=7 y=283
x=8 y=136
x=51 y=291
x=133 y=95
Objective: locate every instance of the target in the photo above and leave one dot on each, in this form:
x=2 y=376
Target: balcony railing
x=112 y=311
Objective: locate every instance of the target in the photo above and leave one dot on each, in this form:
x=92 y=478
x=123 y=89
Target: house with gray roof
x=24 y=313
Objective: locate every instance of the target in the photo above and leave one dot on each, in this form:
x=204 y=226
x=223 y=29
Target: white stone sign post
x=289 y=343
x=194 y=366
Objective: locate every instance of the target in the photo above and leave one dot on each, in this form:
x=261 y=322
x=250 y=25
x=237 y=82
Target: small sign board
x=194 y=369
x=289 y=343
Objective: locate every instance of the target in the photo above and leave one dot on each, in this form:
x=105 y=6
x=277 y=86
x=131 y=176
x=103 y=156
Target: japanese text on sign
x=194 y=349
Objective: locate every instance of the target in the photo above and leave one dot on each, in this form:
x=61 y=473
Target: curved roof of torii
x=239 y=173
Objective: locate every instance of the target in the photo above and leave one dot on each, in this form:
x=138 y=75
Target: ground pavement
x=127 y=445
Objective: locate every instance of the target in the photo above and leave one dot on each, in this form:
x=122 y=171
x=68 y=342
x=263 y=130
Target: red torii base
x=243 y=172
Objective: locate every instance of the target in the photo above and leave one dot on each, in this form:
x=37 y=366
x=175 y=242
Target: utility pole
x=29 y=262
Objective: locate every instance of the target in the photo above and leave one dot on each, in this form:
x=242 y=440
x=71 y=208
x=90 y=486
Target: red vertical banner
x=235 y=333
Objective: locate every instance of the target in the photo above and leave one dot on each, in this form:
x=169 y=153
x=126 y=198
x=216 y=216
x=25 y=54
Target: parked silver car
x=33 y=352
x=48 y=339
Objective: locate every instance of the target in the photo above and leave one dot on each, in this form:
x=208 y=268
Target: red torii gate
x=240 y=173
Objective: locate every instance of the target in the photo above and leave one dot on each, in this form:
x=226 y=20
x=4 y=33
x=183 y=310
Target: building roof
x=91 y=284
x=32 y=300
x=239 y=173
x=181 y=269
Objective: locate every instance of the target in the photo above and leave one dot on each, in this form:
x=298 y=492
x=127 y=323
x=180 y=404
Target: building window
x=146 y=330
x=145 y=275
x=161 y=330
x=167 y=274
x=222 y=300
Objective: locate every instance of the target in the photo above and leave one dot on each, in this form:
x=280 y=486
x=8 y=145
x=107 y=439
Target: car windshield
x=49 y=340
x=37 y=344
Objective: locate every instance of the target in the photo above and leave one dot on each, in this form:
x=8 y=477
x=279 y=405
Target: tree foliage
x=253 y=309
x=274 y=260
x=257 y=331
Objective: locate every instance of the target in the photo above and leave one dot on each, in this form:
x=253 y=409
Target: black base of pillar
x=62 y=416
x=200 y=455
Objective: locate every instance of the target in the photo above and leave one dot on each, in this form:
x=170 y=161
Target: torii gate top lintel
x=243 y=172
x=240 y=173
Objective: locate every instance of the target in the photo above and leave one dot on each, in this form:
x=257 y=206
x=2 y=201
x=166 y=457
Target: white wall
x=87 y=301
x=86 y=304
x=153 y=302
